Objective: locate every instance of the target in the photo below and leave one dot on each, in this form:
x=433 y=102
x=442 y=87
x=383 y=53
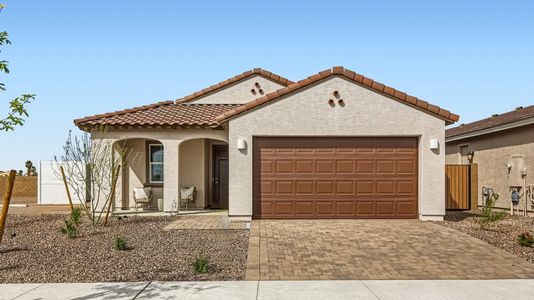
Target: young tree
x=17 y=107
x=90 y=164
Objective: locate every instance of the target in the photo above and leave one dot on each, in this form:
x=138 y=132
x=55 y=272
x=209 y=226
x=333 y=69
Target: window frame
x=149 y=163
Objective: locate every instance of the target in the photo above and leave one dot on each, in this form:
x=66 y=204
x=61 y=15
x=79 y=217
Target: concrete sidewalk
x=342 y=289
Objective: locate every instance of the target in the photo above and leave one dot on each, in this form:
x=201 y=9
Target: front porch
x=192 y=158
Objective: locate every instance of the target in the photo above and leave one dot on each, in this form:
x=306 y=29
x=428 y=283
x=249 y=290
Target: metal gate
x=458 y=180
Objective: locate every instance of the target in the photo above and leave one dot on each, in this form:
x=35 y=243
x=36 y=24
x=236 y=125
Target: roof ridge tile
x=351 y=75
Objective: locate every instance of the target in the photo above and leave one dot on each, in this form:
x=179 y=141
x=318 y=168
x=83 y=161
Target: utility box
x=516 y=171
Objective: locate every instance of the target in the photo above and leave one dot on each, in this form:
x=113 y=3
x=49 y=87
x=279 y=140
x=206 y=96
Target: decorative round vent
x=336 y=94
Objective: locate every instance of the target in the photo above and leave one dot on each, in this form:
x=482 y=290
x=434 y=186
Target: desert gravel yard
x=41 y=253
x=502 y=234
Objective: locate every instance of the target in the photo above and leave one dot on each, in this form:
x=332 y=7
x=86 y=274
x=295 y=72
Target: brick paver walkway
x=205 y=222
x=373 y=249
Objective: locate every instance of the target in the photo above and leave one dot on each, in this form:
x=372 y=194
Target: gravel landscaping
x=41 y=253
x=502 y=234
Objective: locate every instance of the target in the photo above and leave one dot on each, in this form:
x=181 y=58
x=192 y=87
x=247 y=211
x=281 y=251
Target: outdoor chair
x=187 y=195
x=142 y=196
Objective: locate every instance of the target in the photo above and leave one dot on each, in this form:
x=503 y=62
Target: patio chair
x=142 y=196
x=187 y=194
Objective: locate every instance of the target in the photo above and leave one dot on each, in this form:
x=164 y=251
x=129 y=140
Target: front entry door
x=220 y=177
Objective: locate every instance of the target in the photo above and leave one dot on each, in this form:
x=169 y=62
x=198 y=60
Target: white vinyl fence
x=51 y=189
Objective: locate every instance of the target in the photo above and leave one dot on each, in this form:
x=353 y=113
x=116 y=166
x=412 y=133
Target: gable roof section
x=161 y=114
x=257 y=71
x=378 y=87
x=492 y=123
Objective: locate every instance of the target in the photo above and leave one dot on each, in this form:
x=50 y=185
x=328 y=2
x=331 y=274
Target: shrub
x=488 y=215
x=201 y=265
x=525 y=239
x=120 y=243
x=76 y=215
x=70 y=228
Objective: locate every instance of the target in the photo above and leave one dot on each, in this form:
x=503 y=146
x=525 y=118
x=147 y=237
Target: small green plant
x=119 y=243
x=75 y=215
x=201 y=265
x=70 y=229
x=488 y=215
x=525 y=239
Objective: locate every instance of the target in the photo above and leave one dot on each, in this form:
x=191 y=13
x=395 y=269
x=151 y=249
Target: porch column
x=171 y=154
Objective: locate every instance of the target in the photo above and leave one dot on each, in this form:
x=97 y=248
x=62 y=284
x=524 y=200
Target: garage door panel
x=335 y=177
x=385 y=166
x=406 y=208
x=385 y=208
x=345 y=187
x=284 y=208
x=345 y=208
x=304 y=187
x=305 y=208
x=385 y=187
x=365 y=187
x=304 y=166
x=324 y=166
x=365 y=208
x=325 y=208
x=344 y=166
x=365 y=166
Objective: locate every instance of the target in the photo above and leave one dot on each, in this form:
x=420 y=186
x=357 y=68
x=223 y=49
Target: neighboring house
x=502 y=146
x=334 y=145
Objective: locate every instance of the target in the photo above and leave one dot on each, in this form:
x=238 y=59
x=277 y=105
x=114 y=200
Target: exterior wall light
x=470 y=155
x=241 y=144
x=434 y=144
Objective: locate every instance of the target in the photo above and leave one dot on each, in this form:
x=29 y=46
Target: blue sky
x=474 y=58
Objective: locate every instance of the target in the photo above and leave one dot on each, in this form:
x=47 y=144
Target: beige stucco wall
x=240 y=92
x=193 y=169
x=134 y=173
x=365 y=113
x=492 y=152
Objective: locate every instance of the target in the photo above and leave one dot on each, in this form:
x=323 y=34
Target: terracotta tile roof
x=161 y=114
x=257 y=71
x=355 y=77
x=518 y=114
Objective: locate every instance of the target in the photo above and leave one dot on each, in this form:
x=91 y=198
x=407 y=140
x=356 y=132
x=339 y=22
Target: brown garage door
x=335 y=178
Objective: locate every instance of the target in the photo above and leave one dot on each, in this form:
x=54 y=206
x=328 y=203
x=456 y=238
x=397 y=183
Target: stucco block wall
x=366 y=113
x=240 y=92
x=492 y=152
x=24 y=189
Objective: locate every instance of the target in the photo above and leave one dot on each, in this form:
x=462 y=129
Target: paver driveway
x=373 y=249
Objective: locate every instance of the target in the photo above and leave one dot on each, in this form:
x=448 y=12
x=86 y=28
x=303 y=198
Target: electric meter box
x=515 y=173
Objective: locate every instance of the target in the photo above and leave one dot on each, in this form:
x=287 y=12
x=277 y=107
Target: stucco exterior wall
x=241 y=92
x=492 y=152
x=134 y=173
x=193 y=169
x=366 y=113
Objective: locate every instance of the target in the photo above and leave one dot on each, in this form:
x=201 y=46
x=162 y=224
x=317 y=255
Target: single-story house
x=503 y=148
x=333 y=145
